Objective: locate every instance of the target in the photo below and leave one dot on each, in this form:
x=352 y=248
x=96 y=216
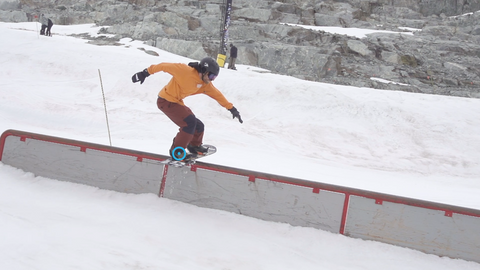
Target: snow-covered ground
x=412 y=145
x=356 y=32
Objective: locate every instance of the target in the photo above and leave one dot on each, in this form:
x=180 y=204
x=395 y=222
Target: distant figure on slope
x=46 y=25
x=194 y=78
x=49 y=28
x=233 y=57
x=44 y=21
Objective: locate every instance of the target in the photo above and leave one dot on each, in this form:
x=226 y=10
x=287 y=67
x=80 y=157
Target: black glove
x=140 y=76
x=236 y=114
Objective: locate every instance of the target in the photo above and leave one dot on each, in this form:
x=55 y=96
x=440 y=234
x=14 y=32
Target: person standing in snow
x=233 y=57
x=44 y=21
x=194 y=78
x=49 y=28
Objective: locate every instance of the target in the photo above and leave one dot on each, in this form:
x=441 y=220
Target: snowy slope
x=385 y=141
x=47 y=224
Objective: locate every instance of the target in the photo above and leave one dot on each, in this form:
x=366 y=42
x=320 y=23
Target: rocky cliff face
x=442 y=58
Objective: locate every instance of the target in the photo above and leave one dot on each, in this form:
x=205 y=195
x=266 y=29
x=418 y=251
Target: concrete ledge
x=90 y=164
x=434 y=231
x=264 y=199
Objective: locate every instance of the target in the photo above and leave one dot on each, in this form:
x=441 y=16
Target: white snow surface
x=356 y=32
x=412 y=145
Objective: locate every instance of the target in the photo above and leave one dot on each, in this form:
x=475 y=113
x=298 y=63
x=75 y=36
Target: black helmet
x=208 y=64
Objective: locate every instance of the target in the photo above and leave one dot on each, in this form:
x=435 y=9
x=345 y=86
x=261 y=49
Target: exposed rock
x=13 y=16
x=154 y=53
x=442 y=58
x=358 y=47
x=253 y=15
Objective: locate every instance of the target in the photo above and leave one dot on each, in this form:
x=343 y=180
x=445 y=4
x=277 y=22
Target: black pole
x=226 y=17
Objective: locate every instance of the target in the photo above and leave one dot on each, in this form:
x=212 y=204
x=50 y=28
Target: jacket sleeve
x=171 y=68
x=214 y=93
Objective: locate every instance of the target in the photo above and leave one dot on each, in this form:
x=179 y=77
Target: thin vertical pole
x=105 y=106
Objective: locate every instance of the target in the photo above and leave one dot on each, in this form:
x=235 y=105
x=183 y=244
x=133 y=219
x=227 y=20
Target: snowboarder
x=194 y=78
x=44 y=21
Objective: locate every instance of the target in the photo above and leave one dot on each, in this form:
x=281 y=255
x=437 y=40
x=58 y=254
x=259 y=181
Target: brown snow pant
x=190 y=128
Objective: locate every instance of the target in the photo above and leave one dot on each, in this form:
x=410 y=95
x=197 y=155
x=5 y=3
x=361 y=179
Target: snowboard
x=190 y=161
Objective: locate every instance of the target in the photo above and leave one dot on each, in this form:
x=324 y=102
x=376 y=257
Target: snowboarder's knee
x=191 y=122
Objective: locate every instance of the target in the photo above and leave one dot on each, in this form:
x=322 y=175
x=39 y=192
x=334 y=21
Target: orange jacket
x=186 y=82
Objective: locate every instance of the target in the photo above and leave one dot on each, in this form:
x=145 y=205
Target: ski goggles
x=211 y=76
